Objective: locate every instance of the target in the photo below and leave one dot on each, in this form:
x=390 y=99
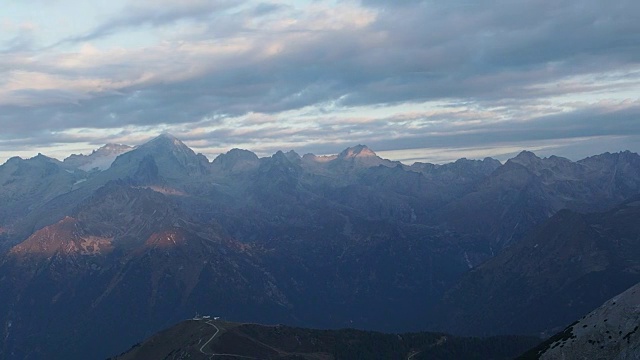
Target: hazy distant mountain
x=175 y=161
x=100 y=159
x=236 y=161
x=346 y=165
x=527 y=190
x=27 y=184
x=456 y=177
x=349 y=240
x=612 y=331
x=562 y=270
x=200 y=339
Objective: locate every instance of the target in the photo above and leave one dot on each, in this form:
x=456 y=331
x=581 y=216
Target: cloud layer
x=320 y=75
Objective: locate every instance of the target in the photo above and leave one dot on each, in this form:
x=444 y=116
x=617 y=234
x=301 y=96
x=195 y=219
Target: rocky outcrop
x=612 y=331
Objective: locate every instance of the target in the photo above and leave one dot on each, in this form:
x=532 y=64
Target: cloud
x=23 y=39
x=431 y=131
x=155 y=14
x=392 y=3
x=232 y=76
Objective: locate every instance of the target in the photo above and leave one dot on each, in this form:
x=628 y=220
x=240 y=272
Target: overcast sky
x=414 y=80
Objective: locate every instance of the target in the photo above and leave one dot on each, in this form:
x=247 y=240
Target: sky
x=414 y=80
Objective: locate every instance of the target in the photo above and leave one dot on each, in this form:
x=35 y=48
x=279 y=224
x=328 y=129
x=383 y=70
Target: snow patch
x=99 y=163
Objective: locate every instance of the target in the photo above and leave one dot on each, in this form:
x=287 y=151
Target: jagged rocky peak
x=312 y=158
x=237 y=155
x=166 y=140
x=38 y=163
x=558 y=160
x=349 y=161
x=360 y=157
x=530 y=161
x=526 y=158
x=280 y=157
x=358 y=151
x=287 y=159
x=557 y=165
x=40 y=157
x=492 y=161
x=14 y=160
x=236 y=160
x=112 y=148
x=611 y=159
x=173 y=158
x=628 y=155
x=165 y=144
x=292 y=156
x=470 y=163
x=279 y=164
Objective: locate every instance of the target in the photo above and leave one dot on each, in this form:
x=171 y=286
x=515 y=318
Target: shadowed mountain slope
x=527 y=190
x=564 y=269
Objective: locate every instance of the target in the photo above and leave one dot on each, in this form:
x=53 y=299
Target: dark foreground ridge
x=204 y=338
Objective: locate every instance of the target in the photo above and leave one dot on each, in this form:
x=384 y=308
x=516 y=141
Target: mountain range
x=349 y=240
